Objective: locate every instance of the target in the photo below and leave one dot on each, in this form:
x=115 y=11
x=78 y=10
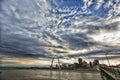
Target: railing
x=111 y=73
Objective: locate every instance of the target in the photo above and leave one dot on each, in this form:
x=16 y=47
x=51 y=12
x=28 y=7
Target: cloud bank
x=42 y=28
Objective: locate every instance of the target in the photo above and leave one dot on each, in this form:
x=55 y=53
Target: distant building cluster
x=81 y=64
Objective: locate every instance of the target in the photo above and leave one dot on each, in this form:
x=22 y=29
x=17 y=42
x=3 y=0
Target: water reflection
x=48 y=75
x=54 y=74
x=74 y=75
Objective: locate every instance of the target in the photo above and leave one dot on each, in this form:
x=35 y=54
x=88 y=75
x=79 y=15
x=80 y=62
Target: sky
x=33 y=31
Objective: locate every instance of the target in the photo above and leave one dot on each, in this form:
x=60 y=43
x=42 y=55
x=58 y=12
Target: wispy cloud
x=41 y=28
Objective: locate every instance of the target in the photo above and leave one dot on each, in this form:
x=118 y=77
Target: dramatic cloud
x=67 y=28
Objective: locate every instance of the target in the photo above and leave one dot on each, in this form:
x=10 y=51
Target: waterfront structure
x=90 y=64
x=80 y=62
x=84 y=64
x=59 y=66
x=110 y=73
x=96 y=62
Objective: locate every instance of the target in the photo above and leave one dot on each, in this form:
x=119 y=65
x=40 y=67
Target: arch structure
x=55 y=57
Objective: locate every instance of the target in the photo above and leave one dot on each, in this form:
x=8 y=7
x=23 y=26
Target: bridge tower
x=55 y=57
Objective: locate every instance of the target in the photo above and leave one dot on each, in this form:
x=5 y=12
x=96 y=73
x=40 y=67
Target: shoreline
x=74 y=70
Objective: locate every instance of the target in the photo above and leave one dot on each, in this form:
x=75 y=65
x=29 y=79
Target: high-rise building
x=91 y=64
x=96 y=62
x=84 y=64
x=80 y=60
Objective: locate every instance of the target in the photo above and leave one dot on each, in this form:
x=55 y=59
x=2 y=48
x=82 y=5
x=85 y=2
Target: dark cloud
x=104 y=58
x=111 y=26
x=78 y=40
x=94 y=25
x=19 y=45
x=98 y=52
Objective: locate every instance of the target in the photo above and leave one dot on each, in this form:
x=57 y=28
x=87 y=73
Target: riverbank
x=73 y=70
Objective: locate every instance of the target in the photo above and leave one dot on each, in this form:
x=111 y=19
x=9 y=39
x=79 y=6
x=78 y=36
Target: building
x=91 y=64
x=96 y=62
x=80 y=62
x=84 y=64
x=76 y=65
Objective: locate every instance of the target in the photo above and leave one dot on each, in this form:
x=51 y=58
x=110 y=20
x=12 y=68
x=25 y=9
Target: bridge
x=107 y=72
x=110 y=73
x=55 y=57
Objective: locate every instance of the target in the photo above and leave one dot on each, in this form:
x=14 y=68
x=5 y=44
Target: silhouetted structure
x=84 y=64
x=80 y=62
x=91 y=64
x=96 y=62
x=76 y=65
x=51 y=66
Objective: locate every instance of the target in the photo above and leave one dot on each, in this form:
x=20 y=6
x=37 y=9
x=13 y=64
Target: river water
x=48 y=75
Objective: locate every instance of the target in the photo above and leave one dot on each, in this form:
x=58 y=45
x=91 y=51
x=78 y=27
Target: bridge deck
x=114 y=76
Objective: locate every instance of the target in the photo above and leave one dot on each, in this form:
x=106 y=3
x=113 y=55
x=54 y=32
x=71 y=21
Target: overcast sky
x=33 y=31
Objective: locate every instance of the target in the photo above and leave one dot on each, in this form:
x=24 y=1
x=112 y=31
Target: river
x=22 y=74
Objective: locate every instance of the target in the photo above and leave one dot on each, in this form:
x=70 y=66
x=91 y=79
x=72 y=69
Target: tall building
x=80 y=60
x=84 y=64
x=96 y=62
x=91 y=64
